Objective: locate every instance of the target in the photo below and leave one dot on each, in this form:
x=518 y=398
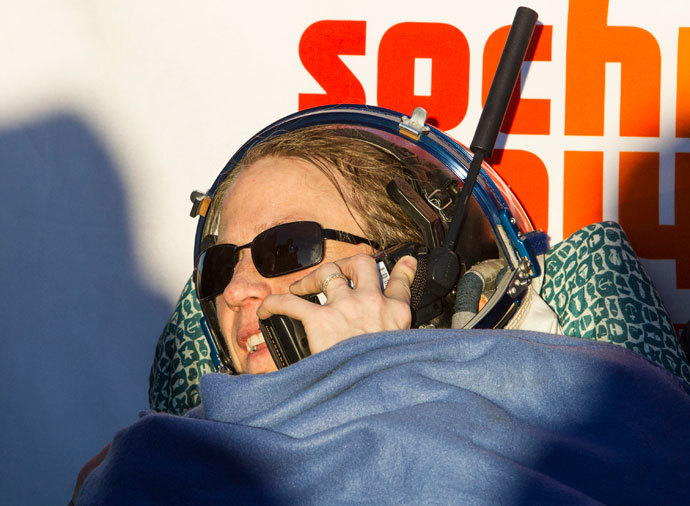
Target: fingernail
x=410 y=261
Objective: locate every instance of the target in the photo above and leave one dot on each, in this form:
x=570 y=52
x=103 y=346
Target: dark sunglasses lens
x=216 y=266
x=287 y=248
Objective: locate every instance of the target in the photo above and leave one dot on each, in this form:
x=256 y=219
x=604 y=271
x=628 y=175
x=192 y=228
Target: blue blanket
x=422 y=416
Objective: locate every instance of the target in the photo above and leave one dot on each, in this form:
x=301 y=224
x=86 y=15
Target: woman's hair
x=358 y=163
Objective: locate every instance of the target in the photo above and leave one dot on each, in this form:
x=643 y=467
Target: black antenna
x=444 y=267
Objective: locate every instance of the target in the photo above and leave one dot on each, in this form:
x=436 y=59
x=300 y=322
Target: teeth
x=254 y=341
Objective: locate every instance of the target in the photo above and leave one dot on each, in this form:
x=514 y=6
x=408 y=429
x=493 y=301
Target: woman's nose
x=246 y=285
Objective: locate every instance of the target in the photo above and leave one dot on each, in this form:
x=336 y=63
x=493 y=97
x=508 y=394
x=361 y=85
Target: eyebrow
x=265 y=225
x=287 y=218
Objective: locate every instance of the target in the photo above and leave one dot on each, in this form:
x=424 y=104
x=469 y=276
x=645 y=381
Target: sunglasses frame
x=324 y=233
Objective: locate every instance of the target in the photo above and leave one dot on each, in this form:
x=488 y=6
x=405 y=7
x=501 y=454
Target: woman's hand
x=348 y=312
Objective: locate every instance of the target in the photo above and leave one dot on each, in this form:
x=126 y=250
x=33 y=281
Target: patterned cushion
x=600 y=291
x=593 y=281
x=182 y=357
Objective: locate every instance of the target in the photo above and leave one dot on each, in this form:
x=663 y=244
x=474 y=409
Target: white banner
x=114 y=111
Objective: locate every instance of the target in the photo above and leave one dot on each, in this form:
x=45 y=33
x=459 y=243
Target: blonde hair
x=358 y=163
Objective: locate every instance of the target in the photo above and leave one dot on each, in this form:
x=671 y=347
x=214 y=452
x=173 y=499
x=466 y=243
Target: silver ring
x=330 y=278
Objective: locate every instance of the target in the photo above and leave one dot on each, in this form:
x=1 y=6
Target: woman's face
x=270 y=192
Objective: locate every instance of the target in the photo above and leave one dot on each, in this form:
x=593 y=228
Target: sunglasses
x=280 y=250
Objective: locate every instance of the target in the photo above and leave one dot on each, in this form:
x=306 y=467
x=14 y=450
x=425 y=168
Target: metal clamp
x=436 y=200
x=414 y=126
x=200 y=203
x=521 y=278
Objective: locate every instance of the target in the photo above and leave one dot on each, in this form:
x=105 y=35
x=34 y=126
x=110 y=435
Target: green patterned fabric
x=600 y=291
x=593 y=281
x=182 y=357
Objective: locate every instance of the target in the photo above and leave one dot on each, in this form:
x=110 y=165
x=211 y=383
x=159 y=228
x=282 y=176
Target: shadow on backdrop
x=79 y=325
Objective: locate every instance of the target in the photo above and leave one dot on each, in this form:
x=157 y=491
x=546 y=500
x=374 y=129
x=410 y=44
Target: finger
x=401 y=280
x=363 y=272
x=314 y=281
x=285 y=304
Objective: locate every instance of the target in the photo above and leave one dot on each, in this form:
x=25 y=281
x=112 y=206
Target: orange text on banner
x=590 y=44
x=583 y=188
x=638 y=210
x=683 y=86
x=527 y=176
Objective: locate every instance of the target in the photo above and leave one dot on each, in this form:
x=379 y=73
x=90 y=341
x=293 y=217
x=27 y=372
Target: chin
x=260 y=362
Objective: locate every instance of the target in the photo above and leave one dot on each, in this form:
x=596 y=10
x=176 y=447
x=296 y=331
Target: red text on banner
x=524 y=115
x=319 y=49
x=449 y=52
